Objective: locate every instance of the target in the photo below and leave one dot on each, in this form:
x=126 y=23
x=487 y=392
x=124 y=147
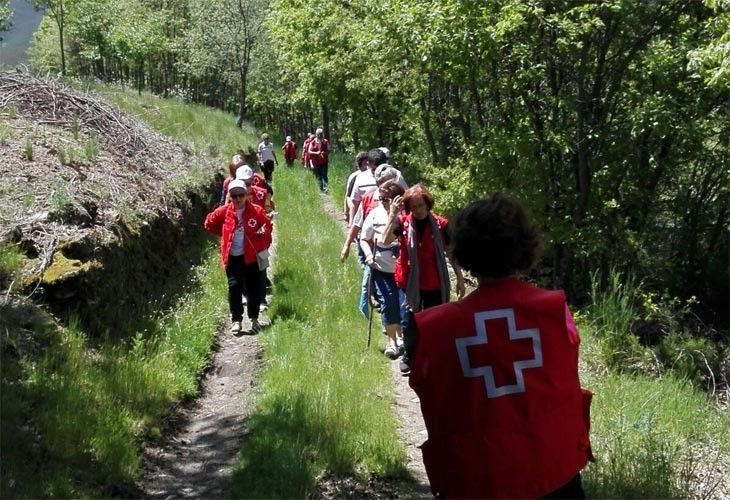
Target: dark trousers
x=242 y=275
x=429 y=298
x=268 y=169
x=321 y=174
x=572 y=489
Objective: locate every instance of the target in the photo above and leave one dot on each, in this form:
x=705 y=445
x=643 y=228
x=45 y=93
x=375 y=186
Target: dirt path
x=197 y=460
x=203 y=437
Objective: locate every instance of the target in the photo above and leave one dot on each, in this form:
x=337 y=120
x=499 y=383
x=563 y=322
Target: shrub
x=11 y=264
x=613 y=311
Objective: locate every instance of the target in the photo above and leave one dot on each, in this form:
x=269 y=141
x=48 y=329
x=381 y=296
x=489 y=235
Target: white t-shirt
x=266 y=151
x=238 y=234
x=364 y=183
x=372 y=230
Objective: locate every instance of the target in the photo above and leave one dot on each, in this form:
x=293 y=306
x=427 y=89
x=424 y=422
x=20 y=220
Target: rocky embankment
x=107 y=211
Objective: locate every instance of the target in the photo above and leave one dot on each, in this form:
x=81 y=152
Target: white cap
x=288 y=138
x=244 y=173
x=237 y=184
x=386 y=151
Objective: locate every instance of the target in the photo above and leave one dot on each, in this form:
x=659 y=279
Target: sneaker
x=391 y=351
x=405 y=366
x=236 y=327
x=255 y=326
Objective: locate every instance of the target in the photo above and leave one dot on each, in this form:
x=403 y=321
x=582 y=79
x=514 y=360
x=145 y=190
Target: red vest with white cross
x=497 y=376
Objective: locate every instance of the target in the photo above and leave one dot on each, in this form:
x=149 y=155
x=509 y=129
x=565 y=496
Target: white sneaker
x=391 y=351
x=236 y=327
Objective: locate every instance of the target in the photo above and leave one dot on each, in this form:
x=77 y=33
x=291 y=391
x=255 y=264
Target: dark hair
x=392 y=188
x=360 y=157
x=493 y=238
x=377 y=157
x=414 y=192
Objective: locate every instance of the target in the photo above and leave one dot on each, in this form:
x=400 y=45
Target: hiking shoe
x=405 y=366
x=235 y=327
x=255 y=326
x=391 y=351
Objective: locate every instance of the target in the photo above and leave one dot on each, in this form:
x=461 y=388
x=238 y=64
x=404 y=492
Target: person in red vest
x=290 y=151
x=497 y=372
x=305 y=151
x=244 y=230
x=420 y=270
x=318 y=154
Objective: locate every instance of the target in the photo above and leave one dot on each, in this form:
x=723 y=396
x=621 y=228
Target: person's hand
x=460 y=288
x=370 y=261
x=345 y=252
x=396 y=205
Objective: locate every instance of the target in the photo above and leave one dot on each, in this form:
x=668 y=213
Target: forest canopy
x=608 y=119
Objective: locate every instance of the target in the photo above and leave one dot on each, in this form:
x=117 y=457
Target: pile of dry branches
x=51 y=102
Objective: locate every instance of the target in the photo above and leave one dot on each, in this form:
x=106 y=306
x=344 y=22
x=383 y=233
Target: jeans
x=387 y=294
x=239 y=275
x=321 y=174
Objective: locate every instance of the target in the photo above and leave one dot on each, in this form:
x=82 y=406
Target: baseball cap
x=244 y=173
x=237 y=184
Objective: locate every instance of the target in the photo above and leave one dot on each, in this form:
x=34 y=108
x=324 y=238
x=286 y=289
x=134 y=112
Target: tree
x=221 y=38
x=58 y=9
x=5 y=15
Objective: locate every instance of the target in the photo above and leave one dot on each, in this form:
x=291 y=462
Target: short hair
x=319 y=132
x=264 y=136
x=384 y=173
x=494 y=237
x=391 y=188
x=376 y=157
x=360 y=157
x=414 y=192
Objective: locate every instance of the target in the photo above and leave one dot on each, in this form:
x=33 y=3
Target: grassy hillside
x=324 y=403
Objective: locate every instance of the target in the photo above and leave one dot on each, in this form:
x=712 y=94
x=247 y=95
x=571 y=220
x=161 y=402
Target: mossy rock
x=63 y=269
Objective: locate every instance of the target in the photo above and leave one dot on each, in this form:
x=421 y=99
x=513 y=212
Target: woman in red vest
x=420 y=271
x=244 y=230
x=497 y=372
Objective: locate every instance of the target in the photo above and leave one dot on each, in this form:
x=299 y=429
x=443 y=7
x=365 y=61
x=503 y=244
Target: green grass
x=90 y=406
x=205 y=130
x=652 y=438
x=324 y=401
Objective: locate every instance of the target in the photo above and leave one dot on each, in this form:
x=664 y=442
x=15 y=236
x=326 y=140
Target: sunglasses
x=239 y=195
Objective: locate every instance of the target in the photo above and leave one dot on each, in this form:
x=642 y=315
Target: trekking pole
x=370 y=308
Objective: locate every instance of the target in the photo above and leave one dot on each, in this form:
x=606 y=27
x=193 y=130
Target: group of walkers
x=401 y=245
x=496 y=372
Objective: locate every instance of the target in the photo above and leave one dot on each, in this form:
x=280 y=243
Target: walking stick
x=370 y=308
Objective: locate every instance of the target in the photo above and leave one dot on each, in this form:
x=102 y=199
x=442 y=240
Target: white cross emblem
x=486 y=371
x=251 y=222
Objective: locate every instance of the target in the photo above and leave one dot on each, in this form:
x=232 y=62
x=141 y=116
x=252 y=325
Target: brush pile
x=73 y=166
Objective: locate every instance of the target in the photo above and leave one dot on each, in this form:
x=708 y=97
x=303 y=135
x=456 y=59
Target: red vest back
x=290 y=150
x=497 y=375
